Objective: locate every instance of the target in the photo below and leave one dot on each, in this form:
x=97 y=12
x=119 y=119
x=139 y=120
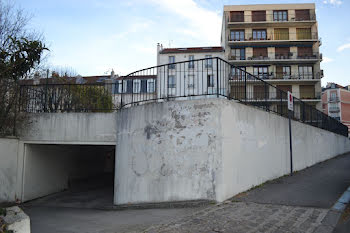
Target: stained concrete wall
x=8 y=169
x=209 y=149
x=71 y=128
x=168 y=152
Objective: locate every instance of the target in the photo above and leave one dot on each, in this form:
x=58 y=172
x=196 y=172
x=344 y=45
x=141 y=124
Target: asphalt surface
x=70 y=220
x=318 y=186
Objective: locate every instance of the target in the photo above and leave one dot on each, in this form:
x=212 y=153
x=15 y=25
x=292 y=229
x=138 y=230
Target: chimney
x=112 y=74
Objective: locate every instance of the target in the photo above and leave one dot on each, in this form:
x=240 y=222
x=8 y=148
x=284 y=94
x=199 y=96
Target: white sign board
x=290 y=101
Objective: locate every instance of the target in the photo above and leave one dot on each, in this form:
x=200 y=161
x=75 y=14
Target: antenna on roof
x=170 y=43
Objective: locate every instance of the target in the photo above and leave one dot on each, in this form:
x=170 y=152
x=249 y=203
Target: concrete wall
x=8 y=169
x=167 y=152
x=209 y=149
x=71 y=128
x=255 y=147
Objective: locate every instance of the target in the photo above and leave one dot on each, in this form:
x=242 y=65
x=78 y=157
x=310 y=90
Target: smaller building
x=135 y=88
x=188 y=71
x=336 y=102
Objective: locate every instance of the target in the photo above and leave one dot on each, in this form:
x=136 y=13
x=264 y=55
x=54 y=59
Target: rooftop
x=192 y=50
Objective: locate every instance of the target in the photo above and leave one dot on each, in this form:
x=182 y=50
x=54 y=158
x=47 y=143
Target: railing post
x=121 y=93
x=217 y=77
x=281 y=104
x=266 y=96
x=245 y=87
x=311 y=121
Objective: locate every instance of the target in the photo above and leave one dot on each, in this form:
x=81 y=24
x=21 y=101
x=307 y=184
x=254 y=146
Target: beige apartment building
x=278 y=43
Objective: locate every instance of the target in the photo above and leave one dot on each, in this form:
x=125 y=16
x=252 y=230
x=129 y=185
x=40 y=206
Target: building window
x=237 y=35
x=281 y=34
x=283 y=53
x=238 y=54
x=128 y=86
x=136 y=86
x=259 y=34
x=210 y=80
x=143 y=86
x=171 y=81
x=118 y=87
x=280 y=15
x=307 y=91
x=208 y=61
x=171 y=60
x=305 y=52
x=260 y=53
x=237 y=16
x=190 y=81
x=286 y=72
x=258 y=16
x=261 y=72
x=302 y=15
x=191 y=62
x=150 y=85
x=238 y=73
x=283 y=72
x=305 y=72
x=304 y=34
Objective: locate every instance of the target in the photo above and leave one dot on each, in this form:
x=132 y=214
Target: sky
x=95 y=36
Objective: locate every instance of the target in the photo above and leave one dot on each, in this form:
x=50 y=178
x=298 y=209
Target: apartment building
x=279 y=43
x=336 y=102
x=185 y=75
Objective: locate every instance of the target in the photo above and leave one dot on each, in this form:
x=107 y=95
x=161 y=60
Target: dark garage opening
x=70 y=175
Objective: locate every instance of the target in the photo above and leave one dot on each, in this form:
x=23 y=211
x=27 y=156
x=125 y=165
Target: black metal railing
x=206 y=78
x=277 y=56
x=275 y=17
x=67 y=98
x=213 y=78
x=239 y=36
x=278 y=76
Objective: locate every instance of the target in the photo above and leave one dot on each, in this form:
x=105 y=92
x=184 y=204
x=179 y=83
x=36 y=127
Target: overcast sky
x=94 y=36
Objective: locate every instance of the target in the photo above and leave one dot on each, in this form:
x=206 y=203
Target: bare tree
x=20 y=52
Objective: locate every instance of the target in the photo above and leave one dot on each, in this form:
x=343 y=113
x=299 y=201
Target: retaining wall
x=209 y=149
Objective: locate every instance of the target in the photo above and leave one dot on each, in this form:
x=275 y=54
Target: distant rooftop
x=193 y=50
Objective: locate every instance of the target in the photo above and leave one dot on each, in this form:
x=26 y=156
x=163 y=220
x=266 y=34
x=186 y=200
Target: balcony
x=242 y=21
x=334 y=109
x=272 y=38
x=333 y=99
x=276 y=77
x=277 y=58
x=258 y=93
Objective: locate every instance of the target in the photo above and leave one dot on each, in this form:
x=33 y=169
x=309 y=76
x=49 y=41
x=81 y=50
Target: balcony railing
x=278 y=76
x=334 y=109
x=333 y=99
x=263 y=17
x=273 y=36
x=279 y=56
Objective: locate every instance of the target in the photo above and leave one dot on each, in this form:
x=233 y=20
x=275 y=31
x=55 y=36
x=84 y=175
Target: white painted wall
x=209 y=149
x=8 y=169
x=71 y=128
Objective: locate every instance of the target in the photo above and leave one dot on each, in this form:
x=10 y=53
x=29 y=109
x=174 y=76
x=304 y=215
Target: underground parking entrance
x=79 y=176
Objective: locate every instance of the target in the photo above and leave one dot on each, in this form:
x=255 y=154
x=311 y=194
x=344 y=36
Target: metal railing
x=67 y=98
x=278 y=76
x=275 y=36
x=270 y=18
x=207 y=78
x=278 y=56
